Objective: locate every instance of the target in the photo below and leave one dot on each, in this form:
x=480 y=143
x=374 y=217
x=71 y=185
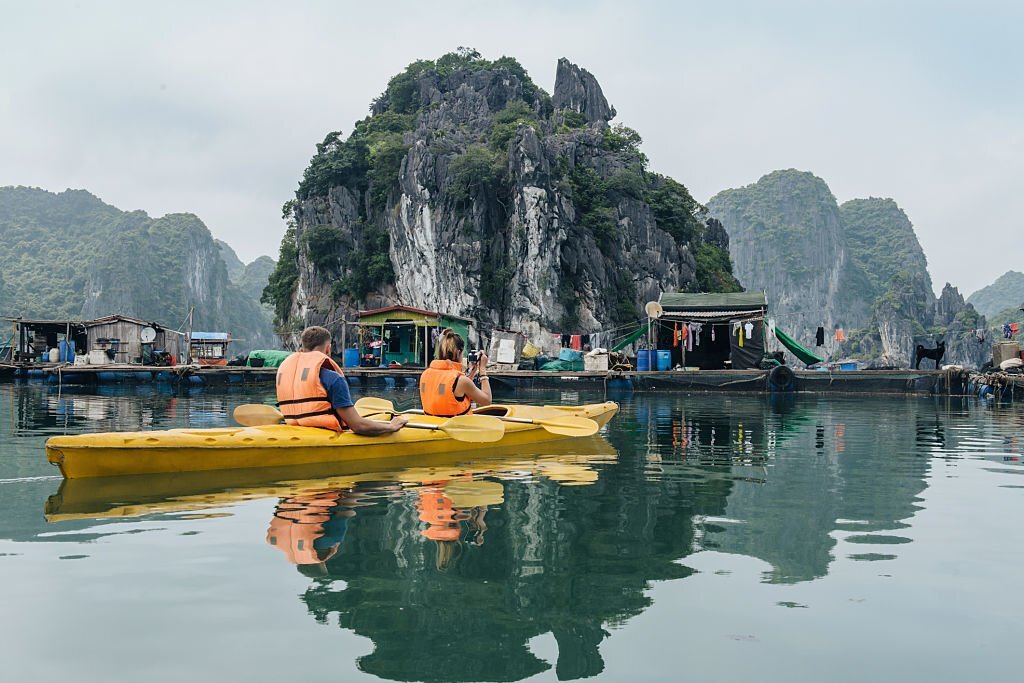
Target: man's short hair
x=314 y=336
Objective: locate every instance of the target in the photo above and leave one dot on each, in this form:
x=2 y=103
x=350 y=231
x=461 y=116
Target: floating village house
x=712 y=331
x=209 y=348
x=403 y=335
x=111 y=339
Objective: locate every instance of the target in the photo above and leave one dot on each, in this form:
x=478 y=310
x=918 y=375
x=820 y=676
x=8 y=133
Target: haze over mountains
x=70 y=255
x=857 y=267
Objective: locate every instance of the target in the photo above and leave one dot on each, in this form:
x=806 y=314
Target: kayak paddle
x=568 y=425
x=473 y=428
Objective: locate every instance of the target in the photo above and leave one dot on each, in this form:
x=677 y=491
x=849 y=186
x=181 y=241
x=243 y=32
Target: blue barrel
x=66 y=351
x=664 y=361
x=351 y=359
x=643 y=360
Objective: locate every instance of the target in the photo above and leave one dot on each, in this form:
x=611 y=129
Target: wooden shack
x=722 y=329
x=209 y=348
x=404 y=335
x=133 y=340
x=122 y=339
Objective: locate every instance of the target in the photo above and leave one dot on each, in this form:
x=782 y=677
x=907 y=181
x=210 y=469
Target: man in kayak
x=444 y=390
x=312 y=390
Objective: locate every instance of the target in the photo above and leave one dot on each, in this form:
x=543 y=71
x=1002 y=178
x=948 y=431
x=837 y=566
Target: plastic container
x=643 y=360
x=351 y=359
x=664 y=361
x=98 y=357
x=848 y=365
x=54 y=355
x=67 y=351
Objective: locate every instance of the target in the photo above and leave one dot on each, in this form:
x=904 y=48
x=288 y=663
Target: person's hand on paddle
x=398 y=421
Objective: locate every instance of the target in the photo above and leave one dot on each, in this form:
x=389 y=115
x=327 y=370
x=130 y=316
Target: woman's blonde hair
x=449 y=345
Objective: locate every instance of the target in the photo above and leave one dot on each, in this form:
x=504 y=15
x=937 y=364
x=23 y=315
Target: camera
x=473 y=355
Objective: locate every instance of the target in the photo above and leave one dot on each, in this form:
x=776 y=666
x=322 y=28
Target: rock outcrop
x=858 y=267
x=577 y=90
x=471 y=191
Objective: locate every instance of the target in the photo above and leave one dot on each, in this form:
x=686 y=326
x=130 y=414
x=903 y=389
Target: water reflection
x=452 y=566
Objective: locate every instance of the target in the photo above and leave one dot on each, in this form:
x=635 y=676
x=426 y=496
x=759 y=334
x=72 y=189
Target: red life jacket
x=300 y=396
x=437 y=390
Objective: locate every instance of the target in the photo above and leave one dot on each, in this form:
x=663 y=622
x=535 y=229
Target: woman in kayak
x=445 y=390
x=313 y=392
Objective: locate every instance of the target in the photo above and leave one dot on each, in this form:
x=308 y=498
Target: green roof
x=679 y=301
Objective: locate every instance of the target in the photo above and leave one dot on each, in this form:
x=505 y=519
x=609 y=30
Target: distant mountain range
x=70 y=255
x=857 y=267
x=1002 y=300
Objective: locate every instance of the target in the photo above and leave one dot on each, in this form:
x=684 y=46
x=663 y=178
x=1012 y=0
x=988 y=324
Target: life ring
x=781 y=377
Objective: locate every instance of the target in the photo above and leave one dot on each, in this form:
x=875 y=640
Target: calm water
x=704 y=538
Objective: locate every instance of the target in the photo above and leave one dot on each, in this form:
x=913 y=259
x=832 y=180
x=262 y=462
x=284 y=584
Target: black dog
x=937 y=353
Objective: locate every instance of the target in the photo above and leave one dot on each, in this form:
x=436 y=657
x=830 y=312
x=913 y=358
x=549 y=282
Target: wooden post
x=344 y=336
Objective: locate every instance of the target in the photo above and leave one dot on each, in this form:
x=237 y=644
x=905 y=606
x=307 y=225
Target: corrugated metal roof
x=719 y=301
x=690 y=314
x=410 y=309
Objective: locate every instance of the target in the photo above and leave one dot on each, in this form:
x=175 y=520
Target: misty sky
x=214 y=108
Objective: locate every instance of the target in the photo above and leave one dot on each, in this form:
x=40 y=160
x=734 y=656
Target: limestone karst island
x=500 y=381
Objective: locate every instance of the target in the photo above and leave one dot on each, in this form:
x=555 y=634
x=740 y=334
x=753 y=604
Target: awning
x=713 y=316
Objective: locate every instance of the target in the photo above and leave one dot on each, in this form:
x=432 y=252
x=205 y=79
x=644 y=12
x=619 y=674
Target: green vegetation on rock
x=71 y=256
x=1005 y=293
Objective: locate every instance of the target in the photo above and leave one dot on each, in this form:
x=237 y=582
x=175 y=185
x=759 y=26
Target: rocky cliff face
x=471 y=191
x=72 y=256
x=786 y=238
x=858 y=266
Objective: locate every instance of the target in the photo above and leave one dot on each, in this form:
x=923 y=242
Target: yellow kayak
x=569 y=462
x=197 y=450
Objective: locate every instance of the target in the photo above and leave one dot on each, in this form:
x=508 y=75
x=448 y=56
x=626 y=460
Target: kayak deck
x=195 y=450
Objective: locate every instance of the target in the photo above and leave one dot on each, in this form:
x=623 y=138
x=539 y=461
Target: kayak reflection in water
x=309 y=527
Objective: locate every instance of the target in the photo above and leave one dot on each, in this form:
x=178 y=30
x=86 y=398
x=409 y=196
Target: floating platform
x=951 y=382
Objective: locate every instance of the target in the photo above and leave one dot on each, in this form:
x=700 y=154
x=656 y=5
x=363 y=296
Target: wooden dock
x=888 y=382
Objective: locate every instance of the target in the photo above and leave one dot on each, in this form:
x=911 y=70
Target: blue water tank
x=66 y=351
x=664 y=361
x=351 y=358
x=643 y=360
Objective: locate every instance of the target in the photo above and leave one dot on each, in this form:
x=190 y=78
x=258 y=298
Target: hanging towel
x=819 y=337
x=675 y=335
x=712 y=333
x=695 y=329
x=1014 y=328
x=576 y=342
x=749 y=329
x=689 y=337
x=840 y=335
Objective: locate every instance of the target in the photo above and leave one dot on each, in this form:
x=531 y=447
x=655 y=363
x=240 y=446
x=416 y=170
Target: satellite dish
x=653 y=309
x=148 y=334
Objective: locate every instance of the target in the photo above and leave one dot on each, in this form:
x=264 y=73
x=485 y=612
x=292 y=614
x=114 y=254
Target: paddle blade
x=569 y=425
x=255 y=415
x=474 y=428
x=370 y=404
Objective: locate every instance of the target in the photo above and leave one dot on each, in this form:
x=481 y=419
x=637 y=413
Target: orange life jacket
x=437 y=389
x=300 y=396
x=437 y=511
x=297 y=524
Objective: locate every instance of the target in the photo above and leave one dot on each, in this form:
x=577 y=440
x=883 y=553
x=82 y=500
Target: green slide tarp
x=797 y=350
x=631 y=338
x=272 y=358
